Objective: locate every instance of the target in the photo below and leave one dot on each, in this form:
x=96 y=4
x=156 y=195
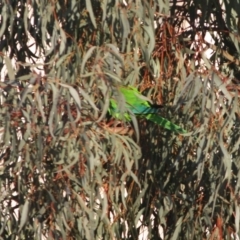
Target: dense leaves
x=68 y=170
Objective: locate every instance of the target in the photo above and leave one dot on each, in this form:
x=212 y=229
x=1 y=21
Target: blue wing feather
x=143 y=110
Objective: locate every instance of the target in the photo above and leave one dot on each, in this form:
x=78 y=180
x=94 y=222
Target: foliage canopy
x=68 y=170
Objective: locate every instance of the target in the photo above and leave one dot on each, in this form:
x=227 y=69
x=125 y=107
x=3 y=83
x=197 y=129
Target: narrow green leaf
x=177 y=229
x=123 y=189
x=138 y=199
x=10 y=70
x=75 y=96
x=87 y=56
x=40 y=106
x=104 y=205
x=237 y=216
x=24 y=214
x=105 y=106
x=88 y=98
x=4 y=17
x=235 y=40
x=135 y=179
x=125 y=23
x=90 y=11
x=53 y=110
x=82 y=203
x=115 y=52
x=25 y=19
x=63 y=41
x=222 y=86
x=149 y=28
x=139 y=214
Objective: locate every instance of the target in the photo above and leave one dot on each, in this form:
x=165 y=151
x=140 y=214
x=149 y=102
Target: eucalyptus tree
x=69 y=170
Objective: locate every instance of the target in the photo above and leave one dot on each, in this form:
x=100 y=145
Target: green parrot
x=139 y=105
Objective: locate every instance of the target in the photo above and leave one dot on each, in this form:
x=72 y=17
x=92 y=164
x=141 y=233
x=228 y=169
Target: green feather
x=139 y=105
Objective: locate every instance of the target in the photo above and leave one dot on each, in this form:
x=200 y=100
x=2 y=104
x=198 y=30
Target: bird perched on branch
x=131 y=102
